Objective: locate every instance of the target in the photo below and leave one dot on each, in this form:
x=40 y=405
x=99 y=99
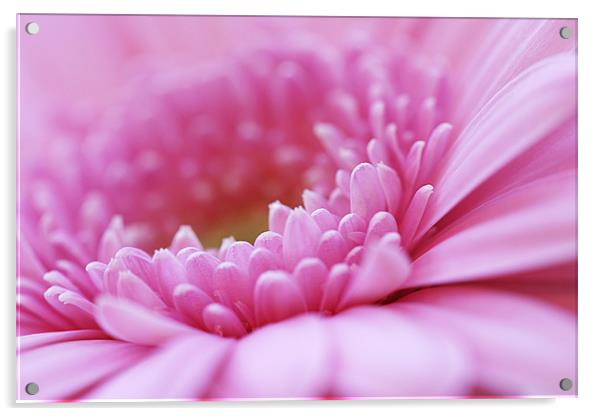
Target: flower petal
x=130 y=322
x=194 y=361
x=382 y=272
x=301 y=237
x=366 y=194
x=532 y=226
x=544 y=92
x=381 y=353
x=185 y=237
x=277 y=297
x=65 y=369
x=520 y=346
x=288 y=359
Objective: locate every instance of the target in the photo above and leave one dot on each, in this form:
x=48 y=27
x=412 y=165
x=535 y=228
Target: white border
x=590 y=209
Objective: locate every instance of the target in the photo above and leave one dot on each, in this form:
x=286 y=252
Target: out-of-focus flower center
x=362 y=129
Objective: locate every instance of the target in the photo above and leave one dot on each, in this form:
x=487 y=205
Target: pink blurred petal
x=278 y=215
x=520 y=346
x=383 y=271
x=190 y=301
x=277 y=297
x=193 y=361
x=310 y=275
x=170 y=273
x=509 y=47
x=270 y=241
x=532 y=226
x=222 y=321
x=66 y=369
x=332 y=248
x=301 y=237
x=132 y=287
x=545 y=92
x=380 y=224
x=184 y=237
x=391 y=185
x=325 y=220
x=30 y=342
x=261 y=260
x=288 y=359
x=366 y=195
x=199 y=270
x=130 y=322
x=239 y=254
x=385 y=354
x=334 y=288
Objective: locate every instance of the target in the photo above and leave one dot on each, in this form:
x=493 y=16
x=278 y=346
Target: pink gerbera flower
x=434 y=253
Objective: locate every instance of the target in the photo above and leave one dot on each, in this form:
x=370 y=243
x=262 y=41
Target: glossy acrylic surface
x=228 y=208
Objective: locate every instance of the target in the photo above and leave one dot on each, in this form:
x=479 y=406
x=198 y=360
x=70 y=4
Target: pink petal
x=383 y=271
x=313 y=201
x=310 y=275
x=239 y=253
x=414 y=214
x=413 y=164
x=96 y=272
x=138 y=262
x=78 y=277
x=391 y=185
x=270 y=241
x=130 y=322
x=278 y=216
x=277 y=297
x=436 y=146
x=109 y=245
x=79 y=311
x=351 y=225
x=57 y=278
x=261 y=261
x=334 y=287
x=545 y=91
x=194 y=361
x=380 y=224
x=343 y=181
x=508 y=48
x=199 y=270
x=377 y=152
x=28 y=263
x=45 y=314
x=332 y=248
x=169 y=273
x=233 y=287
x=30 y=342
x=555 y=154
x=185 y=237
x=325 y=220
x=288 y=359
x=355 y=255
x=301 y=237
x=74 y=367
x=222 y=321
x=519 y=345
x=190 y=301
x=385 y=354
x=366 y=194
x=185 y=253
x=530 y=227
x=132 y=287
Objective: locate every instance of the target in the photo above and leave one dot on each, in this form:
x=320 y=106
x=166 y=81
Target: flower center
x=204 y=151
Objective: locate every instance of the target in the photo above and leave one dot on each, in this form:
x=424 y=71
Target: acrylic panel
x=251 y=208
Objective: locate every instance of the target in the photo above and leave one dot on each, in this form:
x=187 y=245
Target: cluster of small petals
x=367 y=144
x=240 y=287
